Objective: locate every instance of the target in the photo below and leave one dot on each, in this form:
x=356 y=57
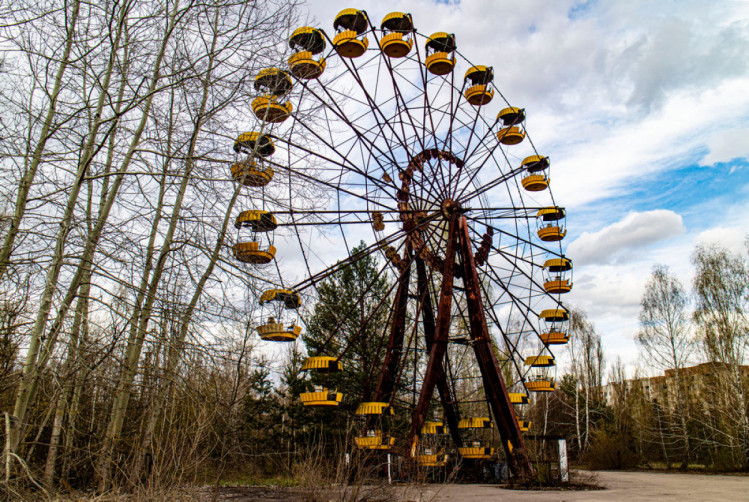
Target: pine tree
x=352 y=315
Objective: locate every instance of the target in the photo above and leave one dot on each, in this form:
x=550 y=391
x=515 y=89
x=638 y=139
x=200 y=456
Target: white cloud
x=625 y=239
x=727 y=145
x=732 y=238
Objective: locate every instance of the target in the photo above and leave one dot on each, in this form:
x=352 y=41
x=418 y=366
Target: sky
x=643 y=109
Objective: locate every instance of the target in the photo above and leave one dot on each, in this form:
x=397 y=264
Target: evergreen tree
x=351 y=314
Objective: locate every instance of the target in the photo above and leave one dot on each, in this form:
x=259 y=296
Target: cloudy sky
x=643 y=108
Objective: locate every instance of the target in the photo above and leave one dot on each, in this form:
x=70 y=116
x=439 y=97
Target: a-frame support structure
x=458 y=258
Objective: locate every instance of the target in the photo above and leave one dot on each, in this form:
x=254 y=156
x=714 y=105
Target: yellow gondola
x=279 y=326
x=541 y=379
x=274 y=84
x=257 y=249
x=431 y=445
x=551 y=229
x=536 y=180
x=478 y=79
x=251 y=171
x=374 y=412
x=396 y=40
x=374 y=440
x=556 y=330
x=476 y=432
x=556 y=280
x=350 y=26
x=307 y=42
x=440 y=50
x=320 y=395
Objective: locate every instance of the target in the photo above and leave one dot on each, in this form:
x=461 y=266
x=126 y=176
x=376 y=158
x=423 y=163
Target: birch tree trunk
x=30 y=368
x=36 y=157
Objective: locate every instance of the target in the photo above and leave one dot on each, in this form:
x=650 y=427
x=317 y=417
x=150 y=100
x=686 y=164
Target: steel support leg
x=449 y=404
x=494 y=385
x=386 y=382
x=439 y=346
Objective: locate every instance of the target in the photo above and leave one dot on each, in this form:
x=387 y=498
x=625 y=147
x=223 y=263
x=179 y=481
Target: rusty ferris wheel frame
x=410 y=150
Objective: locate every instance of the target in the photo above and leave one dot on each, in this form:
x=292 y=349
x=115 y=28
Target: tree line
x=696 y=414
x=116 y=328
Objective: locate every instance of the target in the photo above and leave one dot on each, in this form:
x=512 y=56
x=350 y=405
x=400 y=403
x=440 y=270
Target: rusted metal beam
x=449 y=404
x=439 y=344
x=494 y=385
x=386 y=382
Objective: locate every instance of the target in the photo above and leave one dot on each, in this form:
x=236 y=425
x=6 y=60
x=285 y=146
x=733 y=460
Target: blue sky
x=643 y=108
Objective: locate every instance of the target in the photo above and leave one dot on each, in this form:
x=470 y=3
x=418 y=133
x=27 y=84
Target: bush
x=611 y=450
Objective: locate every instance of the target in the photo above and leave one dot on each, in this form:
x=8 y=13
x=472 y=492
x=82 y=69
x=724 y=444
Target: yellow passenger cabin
x=376 y=415
x=278 y=307
x=440 y=53
x=350 y=26
x=558 y=275
x=321 y=368
x=250 y=169
x=551 y=224
x=307 y=43
x=396 y=41
x=512 y=132
x=431 y=445
x=555 y=331
x=536 y=178
x=273 y=84
x=541 y=378
x=477 y=436
x=257 y=247
x=478 y=82
x=374 y=439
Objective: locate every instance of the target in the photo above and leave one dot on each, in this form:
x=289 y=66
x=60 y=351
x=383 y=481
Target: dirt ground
x=626 y=486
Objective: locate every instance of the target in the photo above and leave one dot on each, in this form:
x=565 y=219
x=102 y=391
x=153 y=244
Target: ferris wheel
x=410 y=147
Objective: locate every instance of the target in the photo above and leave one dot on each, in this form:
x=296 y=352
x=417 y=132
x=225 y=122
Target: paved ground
x=627 y=486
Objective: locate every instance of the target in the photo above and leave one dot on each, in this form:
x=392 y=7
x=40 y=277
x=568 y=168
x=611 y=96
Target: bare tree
x=722 y=287
x=666 y=339
x=587 y=366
